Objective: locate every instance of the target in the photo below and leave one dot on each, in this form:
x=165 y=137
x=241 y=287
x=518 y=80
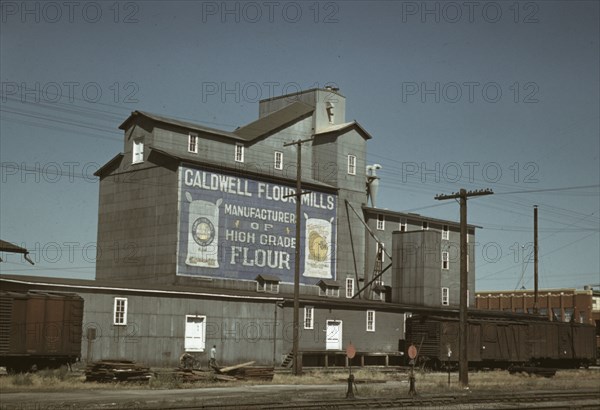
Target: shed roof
x=274 y=121
x=328 y=283
x=267 y=278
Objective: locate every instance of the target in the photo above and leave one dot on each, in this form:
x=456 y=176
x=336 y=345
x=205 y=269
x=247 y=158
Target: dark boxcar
x=502 y=340
x=39 y=329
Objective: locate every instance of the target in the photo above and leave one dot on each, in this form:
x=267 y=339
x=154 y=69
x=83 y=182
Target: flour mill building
x=204 y=223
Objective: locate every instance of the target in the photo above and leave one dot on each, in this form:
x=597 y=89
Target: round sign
x=412 y=352
x=350 y=351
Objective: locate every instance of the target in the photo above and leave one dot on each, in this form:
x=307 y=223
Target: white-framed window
x=445 y=260
x=403 y=225
x=193 y=143
x=468 y=303
x=195 y=333
x=120 y=312
x=425 y=225
x=278 y=160
x=239 y=153
x=370 y=320
x=445 y=232
x=467 y=262
x=349 y=287
x=380 y=222
x=330 y=291
x=267 y=286
x=445 y=296
x=351 y=164
x=309 y=317
x=138 y=152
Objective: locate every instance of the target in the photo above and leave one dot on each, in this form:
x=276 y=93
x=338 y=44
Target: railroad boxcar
x=502 y=340
x=39 y=329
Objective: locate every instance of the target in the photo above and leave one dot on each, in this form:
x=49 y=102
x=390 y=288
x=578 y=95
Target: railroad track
x=542 y=398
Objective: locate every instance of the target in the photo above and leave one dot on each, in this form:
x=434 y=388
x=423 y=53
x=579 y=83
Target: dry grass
x=426 y=382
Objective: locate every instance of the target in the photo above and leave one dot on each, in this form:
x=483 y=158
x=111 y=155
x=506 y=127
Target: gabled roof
x=345 y=127
x=113 y=161
x=267 y=278
x=179 y=123
x=328 y=283
x=274 y=121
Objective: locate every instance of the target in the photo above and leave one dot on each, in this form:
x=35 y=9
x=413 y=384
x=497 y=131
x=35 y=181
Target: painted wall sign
x=237 y=228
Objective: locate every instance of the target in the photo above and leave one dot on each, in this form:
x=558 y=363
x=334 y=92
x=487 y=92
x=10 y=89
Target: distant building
x=565 y=305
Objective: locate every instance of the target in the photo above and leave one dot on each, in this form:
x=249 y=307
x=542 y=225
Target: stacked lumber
x=116 y=371
x=245 y=371
x=191 y=376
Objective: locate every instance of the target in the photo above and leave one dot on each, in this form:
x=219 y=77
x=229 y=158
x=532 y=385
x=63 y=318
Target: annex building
x=205 y=223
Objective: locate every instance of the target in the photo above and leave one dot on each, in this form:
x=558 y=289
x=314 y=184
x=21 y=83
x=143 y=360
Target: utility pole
x=535 y=259
x=463 y=364
x=298 y=195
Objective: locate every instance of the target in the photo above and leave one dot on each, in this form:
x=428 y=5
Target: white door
x=194 y=333
x=334 y=335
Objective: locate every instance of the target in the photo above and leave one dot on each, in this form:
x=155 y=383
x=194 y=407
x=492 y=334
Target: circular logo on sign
x=203 y=231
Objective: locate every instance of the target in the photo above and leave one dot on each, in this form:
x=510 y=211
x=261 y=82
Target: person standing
x=212 y=362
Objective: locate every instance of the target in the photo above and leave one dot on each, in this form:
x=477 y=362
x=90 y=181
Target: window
x=309 y=317
x=403 y=225
x=138 y=152
x=267 y=286
x=379 y=290
x=330 y=114
x=380 y=222
x=468 y=301
x=239 y=153
x=445 y=260
x=193 y=143
x=425 y=225
x=351 y=165
x=195 y=333
x=329 y=291
x=370 y=320
x=278 y=161
x=445 y=296
x=380 y=253
x=349 y=287
x=445 y=232
x=120 y=311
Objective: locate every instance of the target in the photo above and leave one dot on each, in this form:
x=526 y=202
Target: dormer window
x=138 y=152
x=329 y=288
x=329 y=108
x=267 y=283
x=193 y=143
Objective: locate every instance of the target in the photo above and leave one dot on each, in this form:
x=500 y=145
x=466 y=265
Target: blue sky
x=502 y=95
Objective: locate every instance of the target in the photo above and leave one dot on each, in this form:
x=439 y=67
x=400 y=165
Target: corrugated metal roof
x=274 y=121
x=180 y=123
x=344 y=127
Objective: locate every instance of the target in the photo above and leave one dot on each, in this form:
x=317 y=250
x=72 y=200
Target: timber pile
x=245 y=371
x=116 y=371
x=191 y=376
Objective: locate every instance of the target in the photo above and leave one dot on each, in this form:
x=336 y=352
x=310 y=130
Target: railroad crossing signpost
x=350 y=353
x=412 y=355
